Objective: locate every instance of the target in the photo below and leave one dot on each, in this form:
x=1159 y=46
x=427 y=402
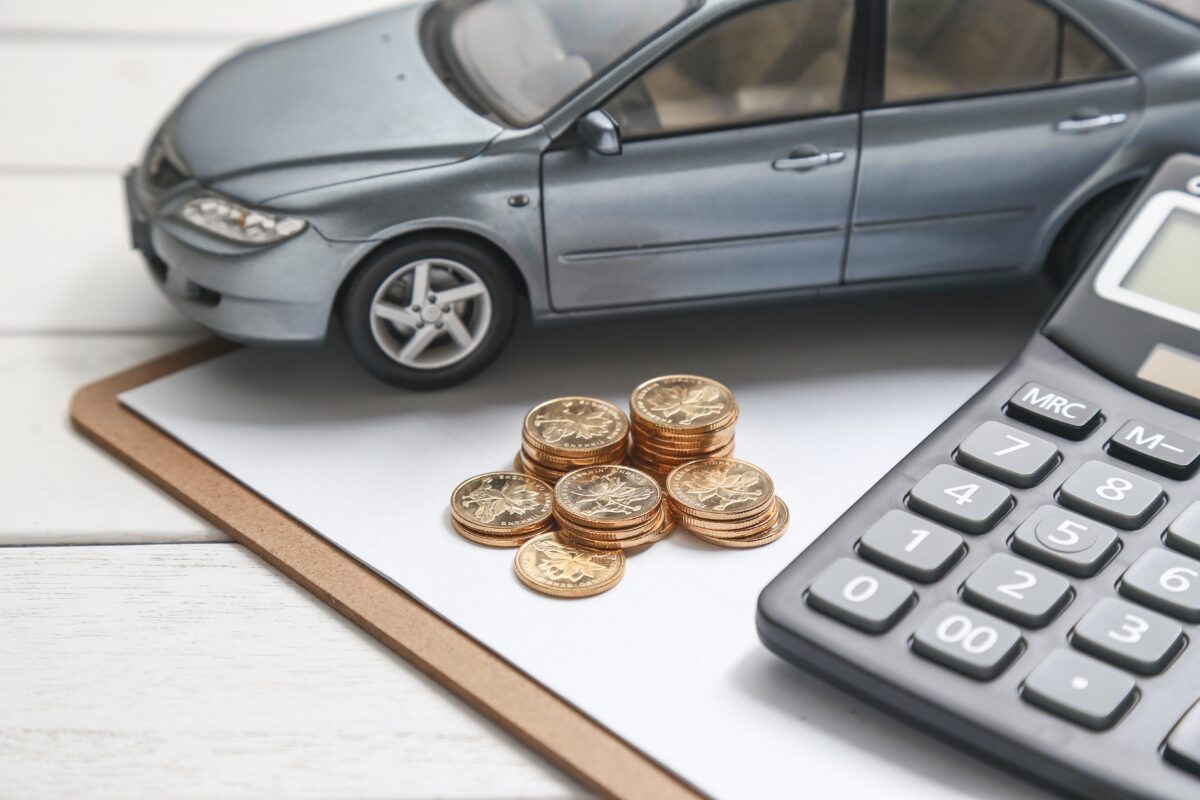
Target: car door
x=990 y=114
x=737 y=169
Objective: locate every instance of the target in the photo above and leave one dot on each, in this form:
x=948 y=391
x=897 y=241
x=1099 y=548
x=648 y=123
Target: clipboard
x=541 y=719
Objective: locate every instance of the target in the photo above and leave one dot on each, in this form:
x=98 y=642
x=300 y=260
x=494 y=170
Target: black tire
x=1083 y=236
x=382 y=266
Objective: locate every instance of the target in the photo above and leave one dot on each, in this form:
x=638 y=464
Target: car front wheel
x=428 y=313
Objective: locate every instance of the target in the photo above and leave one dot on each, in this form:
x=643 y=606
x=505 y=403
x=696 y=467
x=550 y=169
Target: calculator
x=1026 y=582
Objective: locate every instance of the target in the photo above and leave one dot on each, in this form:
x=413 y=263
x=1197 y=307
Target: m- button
x=1163 y=451
x=1053 y=411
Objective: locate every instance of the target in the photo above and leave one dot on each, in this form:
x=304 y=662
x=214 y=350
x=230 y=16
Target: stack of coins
x=680 y=418
x=502 y=509
x=726 y=502
x=551 y=566
x=568 y=433
x=611 y=508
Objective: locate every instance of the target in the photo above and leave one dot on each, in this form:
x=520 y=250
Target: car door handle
x=1092 y=123
x=798 y=162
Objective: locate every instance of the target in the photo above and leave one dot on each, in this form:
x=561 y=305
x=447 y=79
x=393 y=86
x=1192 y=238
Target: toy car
x=412 y=173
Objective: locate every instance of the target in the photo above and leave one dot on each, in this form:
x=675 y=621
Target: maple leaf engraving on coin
x=558 y=563
x=720 y=485
x=613 y=496
x=571 y=422
x=488 y=502
x=687 y=404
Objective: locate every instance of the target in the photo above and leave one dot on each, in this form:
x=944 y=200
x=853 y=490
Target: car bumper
x=278 y=294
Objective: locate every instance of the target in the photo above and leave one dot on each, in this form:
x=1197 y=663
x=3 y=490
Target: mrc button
x=1054 y=411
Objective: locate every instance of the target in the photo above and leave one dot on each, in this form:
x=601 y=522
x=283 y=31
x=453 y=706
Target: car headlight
x=238 y=223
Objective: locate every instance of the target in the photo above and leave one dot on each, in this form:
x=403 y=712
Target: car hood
x=340 y=103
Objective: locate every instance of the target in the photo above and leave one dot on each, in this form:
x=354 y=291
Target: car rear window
x=1188 y=9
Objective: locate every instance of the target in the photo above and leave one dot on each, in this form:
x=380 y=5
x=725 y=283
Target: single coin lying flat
x=550 y=566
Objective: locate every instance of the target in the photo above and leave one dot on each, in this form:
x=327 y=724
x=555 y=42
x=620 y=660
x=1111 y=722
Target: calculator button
x=914 y=547
x=1002 y=452
x=1051 y=410
x=1111 y=494
x=1017 y=590
x=1183 y=744
x=1184 y=533
x=1080 y=688
x=860 y=595
x=1129 y=636
x=1155 y=448
x=1066 y=541
x=960 y=498
x=968 y=641
x=1168 y=582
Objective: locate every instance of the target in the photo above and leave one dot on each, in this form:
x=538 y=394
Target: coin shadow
x=781 y=689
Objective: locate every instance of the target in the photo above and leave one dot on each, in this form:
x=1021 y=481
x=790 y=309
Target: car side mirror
x=600 y=133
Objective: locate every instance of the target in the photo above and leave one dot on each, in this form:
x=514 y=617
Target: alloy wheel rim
x=431 y=313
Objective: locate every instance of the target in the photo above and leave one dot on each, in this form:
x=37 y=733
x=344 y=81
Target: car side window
x=782 y=60
x=948 y=48
x=1082 y=58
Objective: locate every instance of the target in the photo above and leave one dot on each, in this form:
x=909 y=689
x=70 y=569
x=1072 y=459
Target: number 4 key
x=961 y=499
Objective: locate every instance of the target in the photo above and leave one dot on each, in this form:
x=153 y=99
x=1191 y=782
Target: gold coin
x=683 y=403
x=550 y=566
x=528 y=530
x=681 y=439
x=701 y=528
x=608 y=495
x=719 y=488
x=673 y=449
x=658 y=473
x=496 y=541
x=569 y=463
x=758 y=540
x=576 y=426
x=524 y=464
x=609 y=532
x=497 y=502
x=730 y=527
x=662 y=528
x=679 y=460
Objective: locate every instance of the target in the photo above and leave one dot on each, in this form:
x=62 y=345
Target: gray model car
x=415 y=171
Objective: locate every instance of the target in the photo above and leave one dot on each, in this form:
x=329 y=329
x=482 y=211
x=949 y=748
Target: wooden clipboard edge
x=541 y=719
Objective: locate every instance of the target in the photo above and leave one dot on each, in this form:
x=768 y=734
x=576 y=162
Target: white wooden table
x=142 y=653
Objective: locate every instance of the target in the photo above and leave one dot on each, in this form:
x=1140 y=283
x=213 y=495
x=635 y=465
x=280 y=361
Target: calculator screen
x=1169 y=268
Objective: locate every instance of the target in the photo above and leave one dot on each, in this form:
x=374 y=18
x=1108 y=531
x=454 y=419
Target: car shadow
x=796 y=343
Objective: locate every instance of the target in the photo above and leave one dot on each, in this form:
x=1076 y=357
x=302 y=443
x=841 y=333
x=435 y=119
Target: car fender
x=529 y=265
x=494 y=197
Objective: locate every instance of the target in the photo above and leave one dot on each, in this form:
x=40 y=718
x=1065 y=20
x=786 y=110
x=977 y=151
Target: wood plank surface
x=127 y=18
x=194 y=671
x=70 y=265
x=55 y=487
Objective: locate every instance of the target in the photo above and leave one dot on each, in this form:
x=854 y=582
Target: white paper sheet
x=832 y=395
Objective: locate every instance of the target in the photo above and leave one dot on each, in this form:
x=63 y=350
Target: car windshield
x=522 y=58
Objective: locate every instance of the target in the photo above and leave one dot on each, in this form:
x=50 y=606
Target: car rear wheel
x=428 y=313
